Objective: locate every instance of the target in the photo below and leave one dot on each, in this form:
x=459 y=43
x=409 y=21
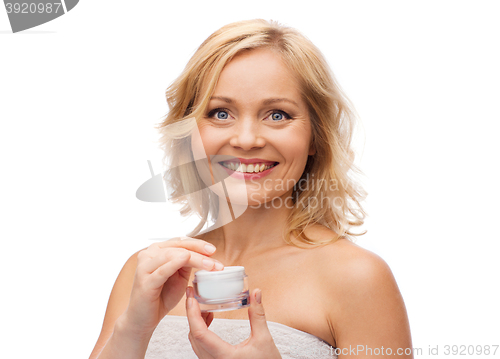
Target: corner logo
x=26 y=14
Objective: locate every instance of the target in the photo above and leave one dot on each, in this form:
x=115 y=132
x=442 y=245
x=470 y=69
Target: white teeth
x=246 y=168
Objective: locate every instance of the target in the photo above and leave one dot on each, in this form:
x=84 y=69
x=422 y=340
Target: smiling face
x=257 y=115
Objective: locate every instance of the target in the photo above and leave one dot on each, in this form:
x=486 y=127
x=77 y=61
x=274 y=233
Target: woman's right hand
x=161 y=278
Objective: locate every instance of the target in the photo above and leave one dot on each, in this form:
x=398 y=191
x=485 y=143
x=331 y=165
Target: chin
x=243 y=199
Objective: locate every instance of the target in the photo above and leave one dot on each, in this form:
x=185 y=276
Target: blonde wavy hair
x=332 y=120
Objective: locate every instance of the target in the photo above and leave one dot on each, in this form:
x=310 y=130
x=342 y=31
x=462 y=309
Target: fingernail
x=258 y=296
x=208 y=263
x=219 y=266
x=209 y=248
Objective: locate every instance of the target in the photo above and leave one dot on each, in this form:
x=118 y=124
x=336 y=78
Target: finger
x=258 y=323
x=165 y=255
x=161 y=275
x=185 y=272
x=193 y=244
x=203 y=337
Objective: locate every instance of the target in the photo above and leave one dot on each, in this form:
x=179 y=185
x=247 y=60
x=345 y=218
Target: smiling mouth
x=247 y=168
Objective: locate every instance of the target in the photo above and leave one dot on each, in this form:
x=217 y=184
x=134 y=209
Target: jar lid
x=231 y=272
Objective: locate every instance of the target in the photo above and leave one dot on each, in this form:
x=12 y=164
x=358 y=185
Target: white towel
x=170 y=339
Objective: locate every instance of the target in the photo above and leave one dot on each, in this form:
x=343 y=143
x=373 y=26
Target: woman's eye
x=221 y=115
x=279 y=116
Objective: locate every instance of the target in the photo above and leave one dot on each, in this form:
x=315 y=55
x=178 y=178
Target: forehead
x=257 y=74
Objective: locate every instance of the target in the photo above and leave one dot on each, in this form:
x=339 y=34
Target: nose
x=247 y=135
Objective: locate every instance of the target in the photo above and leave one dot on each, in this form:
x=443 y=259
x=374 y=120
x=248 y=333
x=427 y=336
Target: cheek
x=209 y=140
x=295 y=145
x=299 y=155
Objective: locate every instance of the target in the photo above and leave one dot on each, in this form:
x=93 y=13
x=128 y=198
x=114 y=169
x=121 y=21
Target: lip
x=249 y=176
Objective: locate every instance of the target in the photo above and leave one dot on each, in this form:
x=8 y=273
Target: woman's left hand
x=206 y=344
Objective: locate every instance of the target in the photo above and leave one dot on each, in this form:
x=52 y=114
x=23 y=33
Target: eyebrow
x=265 y=102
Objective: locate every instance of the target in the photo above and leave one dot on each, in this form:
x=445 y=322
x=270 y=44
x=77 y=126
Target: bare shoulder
x=346 y=261
x=361 y=296
x=352 y=271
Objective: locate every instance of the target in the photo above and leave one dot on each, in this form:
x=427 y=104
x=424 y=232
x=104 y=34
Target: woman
x=261 y=96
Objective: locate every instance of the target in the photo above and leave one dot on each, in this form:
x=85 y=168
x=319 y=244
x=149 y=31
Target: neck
x=258 y=229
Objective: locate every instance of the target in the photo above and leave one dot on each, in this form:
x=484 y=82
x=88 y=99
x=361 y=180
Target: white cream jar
x=218 y=291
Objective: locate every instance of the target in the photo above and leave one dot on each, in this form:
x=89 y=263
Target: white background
x=79 y=97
